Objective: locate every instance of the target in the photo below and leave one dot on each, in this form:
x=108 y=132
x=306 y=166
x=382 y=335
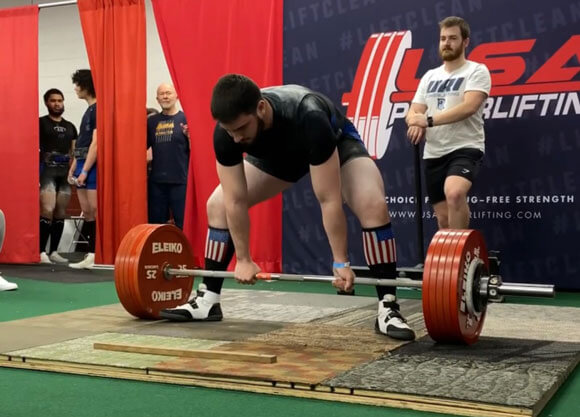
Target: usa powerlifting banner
x=368 y=57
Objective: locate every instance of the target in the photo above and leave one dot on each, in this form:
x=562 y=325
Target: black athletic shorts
x=463 y=162
x=54 y=180
x=348 y=148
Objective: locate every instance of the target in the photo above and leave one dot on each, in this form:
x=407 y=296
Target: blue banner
x=368 y=57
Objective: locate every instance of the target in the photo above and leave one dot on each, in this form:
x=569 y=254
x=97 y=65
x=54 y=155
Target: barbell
x=154 y=270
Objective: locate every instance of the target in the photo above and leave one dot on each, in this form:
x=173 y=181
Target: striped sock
x=219 y=250
x=380 y=252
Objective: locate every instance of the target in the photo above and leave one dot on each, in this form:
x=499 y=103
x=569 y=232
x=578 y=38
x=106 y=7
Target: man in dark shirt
x=56 y=139
x=168 y=144
x=287 y=132
x=83 y=171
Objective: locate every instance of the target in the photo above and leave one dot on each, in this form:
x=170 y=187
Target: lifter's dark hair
x=456 y=21
x=50 y=92
x=84 y=80
x=234 y=95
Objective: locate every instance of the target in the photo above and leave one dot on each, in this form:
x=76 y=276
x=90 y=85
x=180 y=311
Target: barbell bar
x=154 y=270
x=505 y=288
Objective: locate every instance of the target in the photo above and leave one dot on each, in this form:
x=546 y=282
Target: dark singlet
x=55 y=142
x=305 y=130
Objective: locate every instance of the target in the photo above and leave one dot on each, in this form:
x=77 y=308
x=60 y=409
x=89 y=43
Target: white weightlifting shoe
x=203 y=305
x=44 y=259
x=391 y=322
x=7 y=286
x=57 y=259
x=86 y=263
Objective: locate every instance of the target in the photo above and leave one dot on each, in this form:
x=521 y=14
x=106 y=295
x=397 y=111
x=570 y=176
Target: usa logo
x=369 y=105
x=386 y=80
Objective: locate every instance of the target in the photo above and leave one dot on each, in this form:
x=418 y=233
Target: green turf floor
x=30 y=393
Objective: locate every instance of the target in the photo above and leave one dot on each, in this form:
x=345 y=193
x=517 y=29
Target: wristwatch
x=430 y=121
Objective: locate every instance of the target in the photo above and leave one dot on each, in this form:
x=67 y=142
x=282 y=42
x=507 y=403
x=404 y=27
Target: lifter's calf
x=216 y=210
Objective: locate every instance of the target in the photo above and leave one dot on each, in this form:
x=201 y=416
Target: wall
x=62 y=51
x=526 y=200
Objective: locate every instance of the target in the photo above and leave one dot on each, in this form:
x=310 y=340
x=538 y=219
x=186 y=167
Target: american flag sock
x=219 y=250
x=381 y=255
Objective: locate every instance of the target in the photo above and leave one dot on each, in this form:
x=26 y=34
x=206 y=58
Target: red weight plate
x=430 y=280
x=469 y=248
x=454 y=323
x=435 y=281
x=162 y=246
x=132 y=269
x=122 y=264
x=441 y=301
x=444 y=283
x=431 y=261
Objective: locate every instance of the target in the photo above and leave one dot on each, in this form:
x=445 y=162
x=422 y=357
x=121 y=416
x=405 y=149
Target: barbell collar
x=265 y=276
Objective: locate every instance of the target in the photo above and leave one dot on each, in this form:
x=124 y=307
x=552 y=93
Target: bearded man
x=57 y=136
x=447 y=111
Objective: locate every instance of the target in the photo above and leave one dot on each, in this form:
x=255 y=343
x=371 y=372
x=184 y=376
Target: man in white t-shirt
x=447 y=111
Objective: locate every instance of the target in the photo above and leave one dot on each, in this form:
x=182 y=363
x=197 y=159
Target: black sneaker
x=203 y=305
x=391 y=322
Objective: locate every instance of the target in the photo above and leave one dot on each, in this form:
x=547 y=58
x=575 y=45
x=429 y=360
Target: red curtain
x=203 y=40
x=114 y=32
x=19 y=138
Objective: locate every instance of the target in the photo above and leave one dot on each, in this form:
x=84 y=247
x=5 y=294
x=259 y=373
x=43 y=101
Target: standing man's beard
x=56 y=113
x=450 y=54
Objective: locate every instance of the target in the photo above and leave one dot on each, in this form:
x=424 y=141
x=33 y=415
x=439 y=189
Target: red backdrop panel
x=19 y=139
x=203 y=40
x=114 y=33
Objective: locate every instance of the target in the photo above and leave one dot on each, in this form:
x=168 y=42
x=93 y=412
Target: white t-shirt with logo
x=440 y=90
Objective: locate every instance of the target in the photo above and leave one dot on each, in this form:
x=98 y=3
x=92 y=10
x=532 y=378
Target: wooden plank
x=188 y=353
x=213 y=379
x=439 y=401
x=469 y=409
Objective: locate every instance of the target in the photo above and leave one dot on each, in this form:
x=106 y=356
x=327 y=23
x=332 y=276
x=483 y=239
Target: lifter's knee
x=456 y=199
x=373 y=212
x=216 y=211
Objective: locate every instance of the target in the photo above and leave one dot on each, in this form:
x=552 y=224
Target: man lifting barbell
x=154 y=270
x=287 y=132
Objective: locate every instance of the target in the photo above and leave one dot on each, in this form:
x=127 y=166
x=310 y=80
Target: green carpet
x=26 y=393
x=37 y=298
x=30 y=393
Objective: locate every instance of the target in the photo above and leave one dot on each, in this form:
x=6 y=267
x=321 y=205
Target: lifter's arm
x=327 y=188
x=235 y=194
